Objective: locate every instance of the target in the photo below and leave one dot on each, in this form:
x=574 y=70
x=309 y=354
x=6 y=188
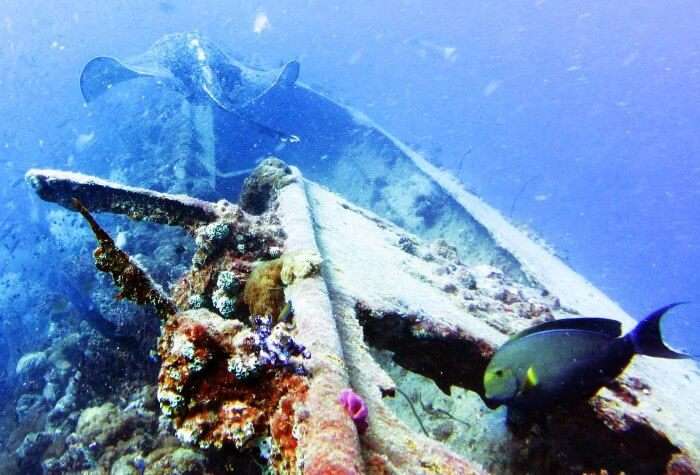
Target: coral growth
x=210 y=239
x=356 y=408
x=259 y=186
x=133 y=283
x=225 y=296
x=222 y=263
x=264 y=292
x=299 y=265
x=173 y=459
x=221 y=381
x=128 y=440
x=102 y=425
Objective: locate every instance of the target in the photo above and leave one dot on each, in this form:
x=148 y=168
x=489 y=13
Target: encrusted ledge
x=100 y=195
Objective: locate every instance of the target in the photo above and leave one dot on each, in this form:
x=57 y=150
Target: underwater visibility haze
x=349 y=237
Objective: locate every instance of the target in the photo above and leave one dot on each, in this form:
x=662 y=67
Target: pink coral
x=356 y=408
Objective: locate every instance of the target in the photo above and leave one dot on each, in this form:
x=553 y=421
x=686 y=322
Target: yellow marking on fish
x=531 y=378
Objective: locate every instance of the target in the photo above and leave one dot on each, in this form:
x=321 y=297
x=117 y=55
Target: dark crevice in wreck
x=424 y=352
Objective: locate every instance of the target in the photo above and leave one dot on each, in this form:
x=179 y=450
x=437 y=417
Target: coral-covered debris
x=223 y=382
x=133 y=282
x=234 y=375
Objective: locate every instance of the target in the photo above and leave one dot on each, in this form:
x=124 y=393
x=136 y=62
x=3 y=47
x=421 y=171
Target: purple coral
x=356 y=408
x=276 y=349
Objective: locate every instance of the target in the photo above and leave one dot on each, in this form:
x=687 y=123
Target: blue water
x=577 y=120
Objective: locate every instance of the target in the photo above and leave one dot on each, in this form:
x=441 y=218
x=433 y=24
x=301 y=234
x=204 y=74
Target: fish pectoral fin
x=531 y=380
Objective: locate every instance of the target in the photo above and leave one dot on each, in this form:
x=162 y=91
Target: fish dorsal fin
x=606 y=326
x=289 y=74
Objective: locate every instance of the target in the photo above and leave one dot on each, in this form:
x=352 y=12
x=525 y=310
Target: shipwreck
x=345 y=296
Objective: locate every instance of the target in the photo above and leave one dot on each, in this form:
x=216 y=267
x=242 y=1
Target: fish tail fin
x=647 y=339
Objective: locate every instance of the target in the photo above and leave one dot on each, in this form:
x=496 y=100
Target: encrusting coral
x=222 y=381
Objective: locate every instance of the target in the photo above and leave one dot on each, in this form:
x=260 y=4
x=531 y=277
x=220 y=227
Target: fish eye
x=499 y=372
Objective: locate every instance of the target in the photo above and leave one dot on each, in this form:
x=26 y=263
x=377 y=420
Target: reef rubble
x=281 y=312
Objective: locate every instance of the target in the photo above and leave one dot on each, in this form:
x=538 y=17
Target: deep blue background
x=581 y=120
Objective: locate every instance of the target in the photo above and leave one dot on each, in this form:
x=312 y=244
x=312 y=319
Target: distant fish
x=568 y=360
x=630 y=58
x=356 y=57
x=449 y=53
x=291 y=139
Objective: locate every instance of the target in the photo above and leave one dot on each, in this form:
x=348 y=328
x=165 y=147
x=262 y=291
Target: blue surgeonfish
x=568 y=360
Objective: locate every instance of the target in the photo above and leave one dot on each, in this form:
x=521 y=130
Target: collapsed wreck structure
x=348 y=299
x=350 y=266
